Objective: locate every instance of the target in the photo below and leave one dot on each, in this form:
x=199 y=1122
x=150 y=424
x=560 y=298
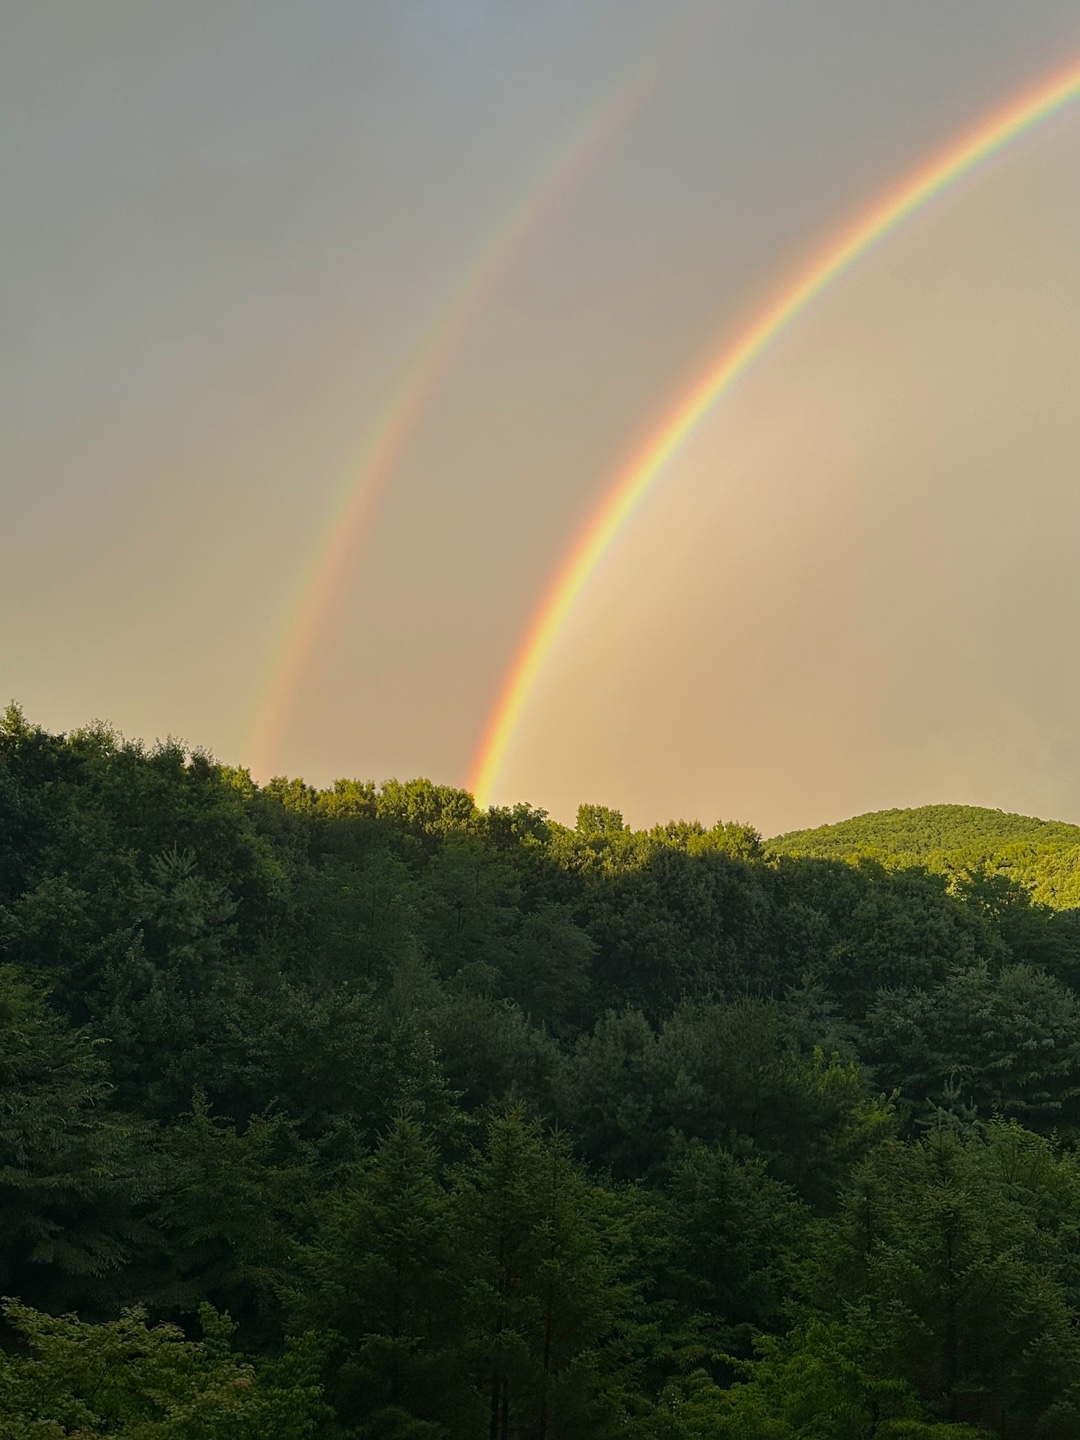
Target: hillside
x=364 y=1114
x=1043 y=855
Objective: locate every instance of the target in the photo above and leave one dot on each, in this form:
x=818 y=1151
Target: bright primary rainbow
x=632 y=483
x=320 y=583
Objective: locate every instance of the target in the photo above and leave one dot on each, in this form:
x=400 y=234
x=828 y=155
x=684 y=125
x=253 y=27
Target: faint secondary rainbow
x=630 y=486
x=320 y=583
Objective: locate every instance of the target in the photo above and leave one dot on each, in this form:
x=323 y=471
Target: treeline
x=360 y=1112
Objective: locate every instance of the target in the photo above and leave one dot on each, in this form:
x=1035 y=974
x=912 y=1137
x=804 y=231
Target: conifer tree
x=960 y=1251
x=380 y=1275
x=546 y=1298
x=71 y=1175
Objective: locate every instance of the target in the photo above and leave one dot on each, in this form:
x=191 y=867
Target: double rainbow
x=914 y=192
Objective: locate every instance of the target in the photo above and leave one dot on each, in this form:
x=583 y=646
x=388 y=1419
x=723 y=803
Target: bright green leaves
x=812 y=1385
x=133 y=1381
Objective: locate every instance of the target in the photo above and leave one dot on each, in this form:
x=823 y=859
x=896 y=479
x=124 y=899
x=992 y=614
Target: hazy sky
x=228 y=230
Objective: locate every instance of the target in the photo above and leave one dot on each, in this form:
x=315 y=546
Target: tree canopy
x=361 y=1112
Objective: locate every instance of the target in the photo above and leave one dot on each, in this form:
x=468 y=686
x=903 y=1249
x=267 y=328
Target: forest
x=362 y=1113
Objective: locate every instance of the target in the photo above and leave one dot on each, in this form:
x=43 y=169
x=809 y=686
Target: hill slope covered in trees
x=364 y=1113
x=1042 y=855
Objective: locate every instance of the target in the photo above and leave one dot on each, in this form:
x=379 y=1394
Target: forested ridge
x=1043 y=855
x=363 y=1113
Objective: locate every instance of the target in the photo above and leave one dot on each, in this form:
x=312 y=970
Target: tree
x=490 y=1053
x=227 y=1216
x=551 y=975
x=546 y=1297
x=70 y=1177
x=712 y=1242
x=379 y=1273
x=1006 y=1041
x=810 y=1385
x=469 y=896
x=961 y=1254
x=718 y=1073
x=361 y=916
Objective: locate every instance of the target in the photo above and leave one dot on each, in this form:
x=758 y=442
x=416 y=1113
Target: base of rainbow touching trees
x=930 y=180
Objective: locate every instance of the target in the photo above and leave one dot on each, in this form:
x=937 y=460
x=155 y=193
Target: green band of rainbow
x=915 y=191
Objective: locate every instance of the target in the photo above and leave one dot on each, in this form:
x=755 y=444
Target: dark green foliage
x=813 y=1385
x=70 y=1174
x=489 y=1050
x=718 y=1073
x=225 y=1211
x=713 y=1239
x=381 y=1275
x=1004 y=1042
x=489 y=1295
x=545 y=1300
x=551 y=973
x=961 y=1255
x=547 y=1132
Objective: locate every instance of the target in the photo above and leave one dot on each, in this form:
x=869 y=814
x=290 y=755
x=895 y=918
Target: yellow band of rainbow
x=600 y=532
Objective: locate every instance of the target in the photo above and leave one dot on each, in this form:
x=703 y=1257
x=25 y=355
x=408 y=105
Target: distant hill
x=1044 y=855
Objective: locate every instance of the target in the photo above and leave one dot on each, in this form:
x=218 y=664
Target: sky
x=233 y=231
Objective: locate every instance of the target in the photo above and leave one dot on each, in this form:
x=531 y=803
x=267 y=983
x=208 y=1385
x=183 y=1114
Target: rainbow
x=631 y=485
x=320 y=583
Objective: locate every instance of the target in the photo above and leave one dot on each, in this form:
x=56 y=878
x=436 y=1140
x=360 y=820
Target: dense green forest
x=363 y=1113
x=1043 y=855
